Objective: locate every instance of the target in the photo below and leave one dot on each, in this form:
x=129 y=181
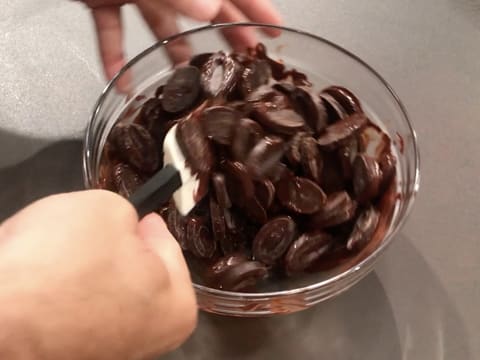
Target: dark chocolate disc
x=335 y=111
x=199 y=60
x=345 y=98
x=342 y=129
x=200 y=241
x=219 y=74
x=219 y=123
x=284 y=121
x=242 y=276
x=265 y=155
x=273 y=239
x=126 y=179
x=364 y=229
x=135 y=145
x=246 y=135
x=220 y=188
x=254 y=75
x=194 y=145
x=300 y=195
x=338 y=208
x=265 y=192
x=239 y=182
x=255 y=211
x=311 y=159
x=306 y=250
x=182 y=90
x=366 y=178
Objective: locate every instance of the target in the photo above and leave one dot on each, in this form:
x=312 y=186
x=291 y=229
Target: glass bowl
x=325 y=64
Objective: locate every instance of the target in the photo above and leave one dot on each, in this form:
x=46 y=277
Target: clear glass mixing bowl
x=325 y=63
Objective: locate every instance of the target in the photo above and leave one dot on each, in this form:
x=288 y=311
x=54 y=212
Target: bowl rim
x=370 y=259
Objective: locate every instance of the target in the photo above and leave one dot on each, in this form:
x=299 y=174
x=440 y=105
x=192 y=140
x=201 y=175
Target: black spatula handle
x=156 y=191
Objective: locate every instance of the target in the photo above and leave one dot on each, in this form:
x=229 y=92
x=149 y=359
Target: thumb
x=154 y=232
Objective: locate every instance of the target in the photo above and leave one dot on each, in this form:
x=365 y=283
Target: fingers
x=201 y=10
x=154 y=232
x=110 y=42
x=162 y=21
x=239 y=38
x=261 y=11
x=109 y=32
x=182 y=314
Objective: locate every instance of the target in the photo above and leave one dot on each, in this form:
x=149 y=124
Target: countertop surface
x=421 y=302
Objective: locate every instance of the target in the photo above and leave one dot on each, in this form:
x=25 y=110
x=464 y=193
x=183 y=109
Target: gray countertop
x=422 y=300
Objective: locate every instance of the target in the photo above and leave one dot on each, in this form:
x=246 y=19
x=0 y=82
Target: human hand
x=161 y=17
x=81 y=278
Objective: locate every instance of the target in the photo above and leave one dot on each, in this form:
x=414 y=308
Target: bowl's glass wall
x=325 y=64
